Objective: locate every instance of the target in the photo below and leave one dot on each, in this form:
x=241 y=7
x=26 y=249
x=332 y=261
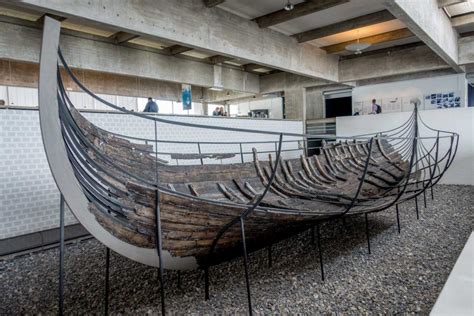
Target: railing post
x=241 y=153
x=200 y=155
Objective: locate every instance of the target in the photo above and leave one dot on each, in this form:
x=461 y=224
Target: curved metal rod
x=144 y=116
x=251 y=208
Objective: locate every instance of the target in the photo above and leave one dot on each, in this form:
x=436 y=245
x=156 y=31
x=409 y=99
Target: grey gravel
x=404 y=274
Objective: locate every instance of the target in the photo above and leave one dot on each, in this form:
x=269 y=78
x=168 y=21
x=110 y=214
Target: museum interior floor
x=404 y=274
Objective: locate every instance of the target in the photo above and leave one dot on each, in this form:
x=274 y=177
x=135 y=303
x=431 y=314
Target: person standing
x=222 y=112
x=216 y=112
x=376 y=109
x=151 y=106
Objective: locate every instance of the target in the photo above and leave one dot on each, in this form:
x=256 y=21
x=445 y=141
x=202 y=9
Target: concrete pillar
x=314 y=103
x=295 y=103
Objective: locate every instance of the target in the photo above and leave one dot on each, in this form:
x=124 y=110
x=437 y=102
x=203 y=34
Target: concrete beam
x=466 y=50
x=390 y=63
x=219 y=59
x=361 y=21
x=447 y=3
x=282 y=81
x=405 y=77
x=431 y=25
x=190 y=23
x=374 y=39
x=177 y=49
x=223 y=96
x=299 y=10
x=213 y=3
x=107 y=57
x=122 y=37
x=466 y=20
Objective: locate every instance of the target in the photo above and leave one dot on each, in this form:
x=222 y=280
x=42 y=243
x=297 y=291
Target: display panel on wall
x=432 y=101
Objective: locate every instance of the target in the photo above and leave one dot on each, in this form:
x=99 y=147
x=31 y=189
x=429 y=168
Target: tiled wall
x=29 y=199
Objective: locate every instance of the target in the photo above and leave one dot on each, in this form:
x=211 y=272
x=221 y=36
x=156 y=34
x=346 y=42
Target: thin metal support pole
x=398 y=217
x=432 y=194
x=320 y=250
x=241 y=153
x=269 y=253
x=206 y=283
x=367 y=231
x=244 y=248
x=416 y=207
x=424 y=197
x=312 y=235
x=158 y=234
x=107 y=277
x=61 y=255
x=200 y=154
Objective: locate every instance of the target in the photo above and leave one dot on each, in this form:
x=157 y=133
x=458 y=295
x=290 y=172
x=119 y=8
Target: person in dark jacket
x=151 y=106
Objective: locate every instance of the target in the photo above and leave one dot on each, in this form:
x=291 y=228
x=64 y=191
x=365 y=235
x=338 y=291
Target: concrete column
x=295 y=103
x=314 y=103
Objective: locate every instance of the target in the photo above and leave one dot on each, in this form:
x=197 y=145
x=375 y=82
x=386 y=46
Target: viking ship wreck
x=190 y=216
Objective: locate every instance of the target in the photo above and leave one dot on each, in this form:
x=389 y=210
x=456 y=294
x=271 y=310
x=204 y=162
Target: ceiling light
x=289 y=6
x=358 y=47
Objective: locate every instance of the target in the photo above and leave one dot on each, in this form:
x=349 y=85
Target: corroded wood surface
x=305 y=190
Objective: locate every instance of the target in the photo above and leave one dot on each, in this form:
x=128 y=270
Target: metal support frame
x=416 y=208
x=246 y=265
x=61 y=255
x=199 y=150
x=158 y=233
x=107 y=277
x=320 y=250
x=367 y=232
x=424 y=197
x=398 y=217
x=269 y=256
x=354 y=201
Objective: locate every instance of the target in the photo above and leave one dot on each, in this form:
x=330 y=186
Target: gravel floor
x=404 y=274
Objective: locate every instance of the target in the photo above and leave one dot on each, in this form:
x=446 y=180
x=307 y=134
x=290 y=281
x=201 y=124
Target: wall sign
x=186 y=96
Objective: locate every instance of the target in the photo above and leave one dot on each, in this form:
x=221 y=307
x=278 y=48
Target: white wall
x=29 y=199
x=459 y=120
x=273 y=105
x=411 y=88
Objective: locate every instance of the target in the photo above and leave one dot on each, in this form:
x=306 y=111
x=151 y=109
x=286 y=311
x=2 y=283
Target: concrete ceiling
x=251 y=9
x=460 y=8
x=462 y=15
x=102 y=31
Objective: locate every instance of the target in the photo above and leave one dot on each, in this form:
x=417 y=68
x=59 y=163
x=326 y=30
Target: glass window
x=165 y=107
x=234 y=110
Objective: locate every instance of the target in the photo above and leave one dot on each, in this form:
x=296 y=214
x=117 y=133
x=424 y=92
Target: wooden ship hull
x=204 y=198
x=135 y=203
